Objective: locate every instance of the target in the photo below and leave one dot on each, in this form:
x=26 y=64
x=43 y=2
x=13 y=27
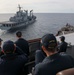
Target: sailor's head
x=19 y=34
x=62 y=38
x=49 y=42
x=8 y=47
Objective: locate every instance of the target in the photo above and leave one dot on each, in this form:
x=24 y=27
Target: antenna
x=19 y=7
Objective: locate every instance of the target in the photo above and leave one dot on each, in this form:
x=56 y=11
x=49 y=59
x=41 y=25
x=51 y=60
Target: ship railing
x=33 y=46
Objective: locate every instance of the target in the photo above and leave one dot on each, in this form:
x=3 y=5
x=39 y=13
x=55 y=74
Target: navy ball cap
x=8 y=46
x=49 y=39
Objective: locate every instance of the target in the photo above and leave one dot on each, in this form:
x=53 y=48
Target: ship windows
x=4 y=25
x=7 y=25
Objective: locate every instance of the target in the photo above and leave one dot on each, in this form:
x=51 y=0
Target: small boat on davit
x=21 y=18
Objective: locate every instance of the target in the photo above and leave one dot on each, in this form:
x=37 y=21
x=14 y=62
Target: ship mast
x=19 y=7
x=31 y=13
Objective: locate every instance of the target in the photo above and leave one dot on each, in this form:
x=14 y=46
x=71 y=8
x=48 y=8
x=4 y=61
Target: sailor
x=22 y=43
x=63 y=45
x=12 y=63
x=54 y=61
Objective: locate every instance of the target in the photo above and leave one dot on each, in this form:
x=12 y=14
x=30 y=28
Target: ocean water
x=45 y=23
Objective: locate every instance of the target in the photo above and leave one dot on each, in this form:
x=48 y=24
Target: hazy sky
x=39 y=6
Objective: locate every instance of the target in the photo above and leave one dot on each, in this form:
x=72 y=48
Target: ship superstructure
x=19 y=19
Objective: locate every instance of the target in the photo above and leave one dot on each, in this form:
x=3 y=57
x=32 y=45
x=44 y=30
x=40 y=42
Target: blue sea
x=45 y=23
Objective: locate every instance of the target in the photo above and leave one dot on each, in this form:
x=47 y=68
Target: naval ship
x=21 y=18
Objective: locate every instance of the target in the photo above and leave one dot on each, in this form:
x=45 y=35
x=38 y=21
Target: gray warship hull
x=16 y=26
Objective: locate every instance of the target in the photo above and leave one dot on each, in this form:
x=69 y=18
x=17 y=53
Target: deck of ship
x=8 y=22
